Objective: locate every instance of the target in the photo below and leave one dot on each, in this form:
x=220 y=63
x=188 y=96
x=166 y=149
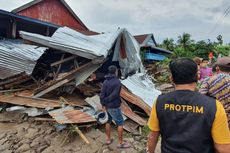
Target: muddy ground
x=20 y=134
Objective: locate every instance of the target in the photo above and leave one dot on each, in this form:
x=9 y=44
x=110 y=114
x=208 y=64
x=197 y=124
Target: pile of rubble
x=20 y=134
x=161 y=75
x=59 y=77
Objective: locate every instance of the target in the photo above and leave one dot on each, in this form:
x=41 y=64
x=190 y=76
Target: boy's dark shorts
x=116 y=115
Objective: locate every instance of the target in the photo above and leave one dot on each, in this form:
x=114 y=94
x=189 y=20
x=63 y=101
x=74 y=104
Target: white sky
x=163 y=18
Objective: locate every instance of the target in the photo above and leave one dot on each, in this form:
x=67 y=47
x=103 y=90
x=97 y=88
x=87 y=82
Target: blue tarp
x=153 y=56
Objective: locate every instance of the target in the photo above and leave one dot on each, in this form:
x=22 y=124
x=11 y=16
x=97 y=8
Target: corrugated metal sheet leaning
x=16 y=57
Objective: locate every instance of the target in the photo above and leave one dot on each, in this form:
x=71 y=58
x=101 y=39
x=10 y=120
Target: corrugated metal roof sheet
x=71 y=41
x=140 y=85
x=16 y=58
x=91 y=47
x=68 y=115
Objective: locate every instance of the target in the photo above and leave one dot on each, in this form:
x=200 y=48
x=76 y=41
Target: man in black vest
x=187 y=121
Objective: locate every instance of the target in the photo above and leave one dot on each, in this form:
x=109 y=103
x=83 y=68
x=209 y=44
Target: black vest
x=186 y=119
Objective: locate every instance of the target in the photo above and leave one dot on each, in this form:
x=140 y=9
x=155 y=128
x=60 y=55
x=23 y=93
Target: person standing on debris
x=188 y=121
x=218 y=86
x=111 y=102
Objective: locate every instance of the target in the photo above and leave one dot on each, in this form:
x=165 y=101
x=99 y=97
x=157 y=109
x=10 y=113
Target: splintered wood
x=59 y=82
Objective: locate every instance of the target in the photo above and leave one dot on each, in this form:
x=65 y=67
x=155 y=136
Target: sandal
x=108 y=142
x=124 y=145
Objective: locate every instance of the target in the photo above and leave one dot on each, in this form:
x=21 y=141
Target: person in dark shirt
x=111 y=102
x=188 y=121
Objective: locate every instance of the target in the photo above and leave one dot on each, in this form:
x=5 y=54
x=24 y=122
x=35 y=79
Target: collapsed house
x=60 y=72
x=68 y=59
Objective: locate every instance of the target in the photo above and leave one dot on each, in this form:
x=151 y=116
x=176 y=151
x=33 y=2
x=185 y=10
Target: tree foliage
x=187 y=47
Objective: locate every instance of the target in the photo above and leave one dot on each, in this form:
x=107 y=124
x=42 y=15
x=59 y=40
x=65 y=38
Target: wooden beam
x=130 y=126
x=13 y=79
x=127 y=111
x=59 y=67
x=57 y=83
x=48 y=31
x=83 y=137
x=63 y=60
x=128 y=96
x=28 y=101
x=11 y=90
x=14 y=29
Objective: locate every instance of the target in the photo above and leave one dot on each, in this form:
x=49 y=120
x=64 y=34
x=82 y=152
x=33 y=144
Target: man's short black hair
x=112 y=69
x=184 y=71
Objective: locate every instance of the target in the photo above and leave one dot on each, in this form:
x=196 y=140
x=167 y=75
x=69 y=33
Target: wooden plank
x=7 y=86
x=127 y=111
x=57 y=83
x=28 y=101
x=59 y=67
x=13 y=79
x=82 y=135
x=130 y=126
x=14 y=29
x=11 y=90
x=128 y=96
x=63 y=60
x=47 y=31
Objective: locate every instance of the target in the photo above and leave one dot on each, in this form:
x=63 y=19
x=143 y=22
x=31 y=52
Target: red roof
x=54 y=11
x=141 y=38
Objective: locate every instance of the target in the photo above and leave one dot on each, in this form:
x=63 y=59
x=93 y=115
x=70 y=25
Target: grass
x=145 y=130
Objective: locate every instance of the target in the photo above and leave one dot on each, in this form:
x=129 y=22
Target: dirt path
x=18 y=136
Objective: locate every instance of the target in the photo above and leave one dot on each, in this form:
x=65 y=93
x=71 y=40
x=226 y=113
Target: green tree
x=185 y=41
x=219 y=39
x=202 y=48
x=168 y=44
x=222 y=49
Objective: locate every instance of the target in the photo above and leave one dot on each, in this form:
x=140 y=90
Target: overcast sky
x=163 y=18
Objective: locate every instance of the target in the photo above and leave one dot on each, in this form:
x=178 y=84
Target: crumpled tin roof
x=16 y=57
x=71 y=41
x=126 y=48
x=140 y=85
x=68 y=115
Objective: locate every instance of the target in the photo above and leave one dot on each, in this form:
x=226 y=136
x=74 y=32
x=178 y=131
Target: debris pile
x=60 y=77
x=161 y=75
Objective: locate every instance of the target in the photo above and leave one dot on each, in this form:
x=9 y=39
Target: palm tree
x=168 y=44
x=185 y=41
x=219 y=39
